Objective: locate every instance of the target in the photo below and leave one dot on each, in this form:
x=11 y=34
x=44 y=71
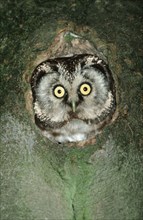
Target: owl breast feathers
x=73 y=97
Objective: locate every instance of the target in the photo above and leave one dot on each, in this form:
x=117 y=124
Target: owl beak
x=73 y=106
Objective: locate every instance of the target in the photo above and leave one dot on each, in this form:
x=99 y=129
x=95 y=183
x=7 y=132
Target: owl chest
x=74 y=131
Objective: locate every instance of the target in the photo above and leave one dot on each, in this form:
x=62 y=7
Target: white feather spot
x=99 y=61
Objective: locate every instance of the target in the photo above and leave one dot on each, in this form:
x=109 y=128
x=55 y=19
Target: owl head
x=73 y=95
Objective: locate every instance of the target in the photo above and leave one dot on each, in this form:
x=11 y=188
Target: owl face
x=72 y=97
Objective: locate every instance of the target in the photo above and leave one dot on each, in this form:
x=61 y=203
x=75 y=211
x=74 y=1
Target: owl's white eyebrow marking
x=96 y=58
x=90 y=60
x=45 y=67
x=99 y=61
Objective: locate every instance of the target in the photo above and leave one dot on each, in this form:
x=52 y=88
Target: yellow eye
x=59 y=91
x=85 y=89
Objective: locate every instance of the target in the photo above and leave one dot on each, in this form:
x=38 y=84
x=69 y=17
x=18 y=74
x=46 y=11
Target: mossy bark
x=41 y=180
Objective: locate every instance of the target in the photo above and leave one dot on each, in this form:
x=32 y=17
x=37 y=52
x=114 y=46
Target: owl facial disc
x=73 y=97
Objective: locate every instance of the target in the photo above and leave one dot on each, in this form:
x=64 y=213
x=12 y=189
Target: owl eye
x=85 y=89
x=59 y=91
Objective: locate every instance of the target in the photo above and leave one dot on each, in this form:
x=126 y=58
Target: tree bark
x=41 y=180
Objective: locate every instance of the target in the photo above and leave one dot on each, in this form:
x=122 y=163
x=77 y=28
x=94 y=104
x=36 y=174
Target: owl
x=73 y=97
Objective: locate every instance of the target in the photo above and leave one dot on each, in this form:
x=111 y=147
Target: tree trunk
x=45 y=181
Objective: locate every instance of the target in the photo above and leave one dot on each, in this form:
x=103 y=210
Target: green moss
x=68 y=37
